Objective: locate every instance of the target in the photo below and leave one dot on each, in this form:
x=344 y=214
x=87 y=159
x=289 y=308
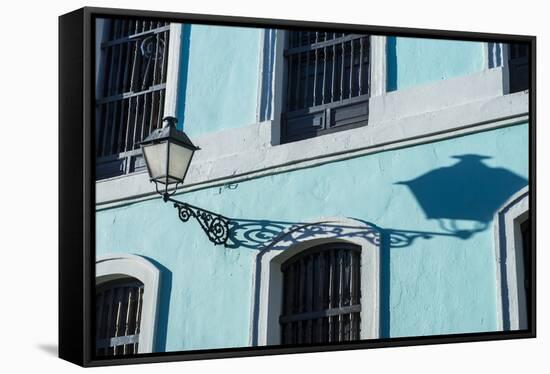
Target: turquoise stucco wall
x=220 y=71
x=414 y=61
x=445 y=284
x=219 y=77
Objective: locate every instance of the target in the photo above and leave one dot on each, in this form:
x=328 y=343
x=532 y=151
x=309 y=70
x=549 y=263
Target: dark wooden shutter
x=327 y=83
x=519 y=67
x=131 y=89
x=321 y=295
x=118 y=316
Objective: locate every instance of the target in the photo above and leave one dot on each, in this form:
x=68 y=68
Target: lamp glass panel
x=180 y=157
x=155 y=157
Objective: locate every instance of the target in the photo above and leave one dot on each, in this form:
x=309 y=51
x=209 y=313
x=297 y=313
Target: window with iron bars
x=518 y=64
x=321 y=295
x=327 y=83
x=130 y=95
x=118 y=317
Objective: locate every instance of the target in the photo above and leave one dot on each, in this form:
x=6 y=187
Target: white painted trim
x=269 y=302
x=496 y=57
x=261 y=72
x=378 y=58
x=278 y=84
x=505 y=68
x=247 y=151
x=173 y=70
x=115 y=266
x=511 y=315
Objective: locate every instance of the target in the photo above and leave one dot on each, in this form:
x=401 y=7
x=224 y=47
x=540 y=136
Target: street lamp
x=168 y=153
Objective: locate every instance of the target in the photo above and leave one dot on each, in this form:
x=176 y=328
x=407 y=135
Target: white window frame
x=273 y=71
x=268 y=269
x=116 y=266
x=511 y=297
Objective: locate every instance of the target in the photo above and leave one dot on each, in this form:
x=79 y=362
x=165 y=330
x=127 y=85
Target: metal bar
x=127 y=65
x=351 y=63
x=128 y=314
x=119 y=60
x=331 y=295
x=324 y=73
x=121 y=130
x=136 y=36
x=127 y=95
x=108 y=325
x=160 y=109
x=315 y=78
x=152 y=115
x=319 y=45
x=333 y=83
x=137 y=329
x=138 y=115
x=298 y=78
x=289 y=295
x=320 y=305
x=301 y=298
x=306 y=84
x=119 y=297
x=143 y=120
x=105 y=130
x=111 y=52
x=352 y=292
x=289 y=85
x=99 y=127
x=156 y=59
x=117 y=341
x=338 y=104
x=309 y=297
x=342 y=71
x=360 y=91
x=337 y=311
x=340 y=295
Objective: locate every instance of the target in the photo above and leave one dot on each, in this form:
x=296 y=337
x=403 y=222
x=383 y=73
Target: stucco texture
x=219 y=77
x=441 y=281
x=414 y=61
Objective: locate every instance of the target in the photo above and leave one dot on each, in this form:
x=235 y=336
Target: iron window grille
x=518 y=64
x=130 y=92
x=118 y=317
x=327 y=83
x=321 y=295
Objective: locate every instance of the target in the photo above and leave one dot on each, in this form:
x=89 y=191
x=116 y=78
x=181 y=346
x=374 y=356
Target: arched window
x=513 y=254
x=118 y=314
x=127 y=288
x=295 y=298
x=321 y=295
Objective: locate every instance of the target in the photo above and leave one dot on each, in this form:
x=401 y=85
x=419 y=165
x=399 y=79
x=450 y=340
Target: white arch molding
x=116 y=266
x=511 y=296
x=267 y=295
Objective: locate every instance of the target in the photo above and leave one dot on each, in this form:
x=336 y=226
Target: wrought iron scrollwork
x=214 y=225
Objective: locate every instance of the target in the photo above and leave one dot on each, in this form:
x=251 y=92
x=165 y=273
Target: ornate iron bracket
x=214 y=225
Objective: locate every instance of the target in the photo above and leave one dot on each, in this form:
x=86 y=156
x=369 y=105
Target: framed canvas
x=236 y=186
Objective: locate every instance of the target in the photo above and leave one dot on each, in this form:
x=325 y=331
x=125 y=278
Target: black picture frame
x=77 y=186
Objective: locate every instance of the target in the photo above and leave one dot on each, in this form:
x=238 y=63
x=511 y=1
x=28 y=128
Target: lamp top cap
x=171 y=133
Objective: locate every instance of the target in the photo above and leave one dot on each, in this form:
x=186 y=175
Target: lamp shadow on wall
x=468 y=191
